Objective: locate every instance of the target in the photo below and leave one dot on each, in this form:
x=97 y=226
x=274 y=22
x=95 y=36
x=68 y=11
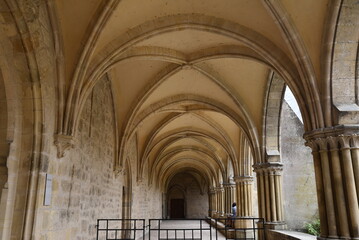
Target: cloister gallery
x=140 y=109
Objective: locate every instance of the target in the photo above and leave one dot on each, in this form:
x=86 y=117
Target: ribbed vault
x=189 y=82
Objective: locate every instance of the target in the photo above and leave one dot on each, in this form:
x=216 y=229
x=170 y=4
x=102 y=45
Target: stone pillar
x=244 y=189
x=212 y=202
x=220 y=201
x=229 y=195
x=270 y=197
x=244 y=196
x=335 y=155
x=217 y=202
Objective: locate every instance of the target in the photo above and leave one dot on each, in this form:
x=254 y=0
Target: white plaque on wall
x=48 y=190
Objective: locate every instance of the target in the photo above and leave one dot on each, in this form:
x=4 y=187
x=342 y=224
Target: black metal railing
x=120 y=229
x=172 y=229
x=238 y=228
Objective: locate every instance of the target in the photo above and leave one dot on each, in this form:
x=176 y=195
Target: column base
x=275 y=225
x=244 y=234
x=215 y=214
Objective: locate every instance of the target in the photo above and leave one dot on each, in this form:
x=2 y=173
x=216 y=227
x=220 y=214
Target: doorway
x=177 y=208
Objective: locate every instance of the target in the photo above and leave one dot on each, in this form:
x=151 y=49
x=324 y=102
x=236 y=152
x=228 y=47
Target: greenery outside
x=313 y=227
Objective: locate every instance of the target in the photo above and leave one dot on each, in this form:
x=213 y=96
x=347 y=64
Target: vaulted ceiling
x=189 y=77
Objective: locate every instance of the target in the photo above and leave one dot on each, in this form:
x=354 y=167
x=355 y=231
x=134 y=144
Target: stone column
x=229 y=194
x=335 y=155
x=220 y=194
x=244 y=189
x=270 y=197
x=212 y=203
x=218 y=202
x=244 y=195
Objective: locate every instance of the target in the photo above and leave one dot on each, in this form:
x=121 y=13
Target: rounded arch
x=341 y=63
x=24 y=123
x=272 y=111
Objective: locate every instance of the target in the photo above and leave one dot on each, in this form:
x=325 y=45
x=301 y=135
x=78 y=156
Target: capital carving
x=243 y=179
x=313 y=145
x=212 y=191
x=344 y=141
x=333 y=143
x=345 y=135
x=276 y=167
x=322 y=143
x=355 y=141
x=63 y=143
x=228 y=184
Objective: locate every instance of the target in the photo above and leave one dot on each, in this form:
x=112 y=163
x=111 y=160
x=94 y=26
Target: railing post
x=149 y=229
x=106 y=229
x=97 y=227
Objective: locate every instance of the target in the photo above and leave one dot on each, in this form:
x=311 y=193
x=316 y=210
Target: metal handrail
x=119 y=229
x=129 y=229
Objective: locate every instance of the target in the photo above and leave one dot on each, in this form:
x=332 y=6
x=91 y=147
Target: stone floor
x=183 y=230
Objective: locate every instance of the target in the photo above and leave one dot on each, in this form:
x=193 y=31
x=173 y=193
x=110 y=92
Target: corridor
x=183 y=229
x=134 y=109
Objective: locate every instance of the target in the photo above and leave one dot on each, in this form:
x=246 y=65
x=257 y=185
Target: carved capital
x=313 y=145
x=243 y=179
x=273 y=168
x=219 y=189
x=345 y=134
x=212 y=191
x=344 y=141
x=355 y=140
x=228 y=185
x=333 y=143
x=322 y=143
x=63 y=143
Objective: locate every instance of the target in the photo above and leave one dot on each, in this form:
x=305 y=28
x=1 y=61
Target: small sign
x=48 y=190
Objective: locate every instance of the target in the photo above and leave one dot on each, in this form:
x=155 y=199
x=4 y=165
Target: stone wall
x=299 y=193
x=196 y=202
x=85 y=186
x=146 y=198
